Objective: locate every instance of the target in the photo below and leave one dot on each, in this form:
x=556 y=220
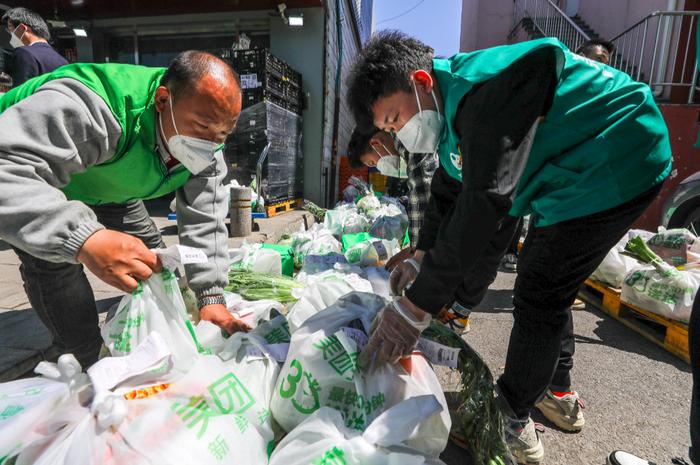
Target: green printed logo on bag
x=334 y=456
x=310 y=388
x=337 y=357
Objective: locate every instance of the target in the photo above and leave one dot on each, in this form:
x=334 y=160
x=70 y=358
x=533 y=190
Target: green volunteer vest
x=136 y=171
x=602 y=143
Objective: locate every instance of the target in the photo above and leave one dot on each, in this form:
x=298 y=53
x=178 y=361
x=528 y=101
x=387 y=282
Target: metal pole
x=675 y=54
x=644 y=42
x=691 y=95
x=653 y=56
x=635 y=49
x=687 y=45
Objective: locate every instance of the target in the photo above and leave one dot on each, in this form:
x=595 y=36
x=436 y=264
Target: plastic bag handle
x=396 y=424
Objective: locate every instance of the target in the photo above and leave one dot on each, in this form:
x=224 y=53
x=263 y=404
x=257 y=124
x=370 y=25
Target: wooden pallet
x=281 y=207
x=669 y=334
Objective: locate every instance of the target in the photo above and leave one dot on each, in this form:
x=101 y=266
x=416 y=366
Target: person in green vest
x=529 y=128
x=80 y=149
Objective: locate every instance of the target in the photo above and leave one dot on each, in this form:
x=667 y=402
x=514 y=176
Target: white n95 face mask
x=16 y=41
x=421 y=134
x=390 y=164
x=195 y=154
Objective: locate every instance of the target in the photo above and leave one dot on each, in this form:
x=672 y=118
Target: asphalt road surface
x=637 y=395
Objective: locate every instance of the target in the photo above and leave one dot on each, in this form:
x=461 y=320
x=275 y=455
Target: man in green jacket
x=531 y=129
x=80 y=148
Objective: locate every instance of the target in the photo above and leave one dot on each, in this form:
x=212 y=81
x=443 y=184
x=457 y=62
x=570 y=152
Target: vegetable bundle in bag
x=254 y=257
x=659 y=287
x=316 y=241
x=156 y=305
x=262 y=286
x=323 y=438
x=345 y=220
x=321 y=371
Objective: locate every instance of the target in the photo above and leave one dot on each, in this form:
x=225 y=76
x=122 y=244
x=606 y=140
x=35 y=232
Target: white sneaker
x=619 y=457
x=565 y=412
x=525 y=443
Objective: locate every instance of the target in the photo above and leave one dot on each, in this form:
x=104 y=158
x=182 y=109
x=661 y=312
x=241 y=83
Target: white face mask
x=195 y=154
x=421 y=134
x=16 y=41
x=390 y=164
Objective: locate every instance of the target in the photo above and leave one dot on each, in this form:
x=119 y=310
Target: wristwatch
x=217 y=299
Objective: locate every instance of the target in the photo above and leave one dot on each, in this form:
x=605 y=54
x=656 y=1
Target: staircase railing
x=550 y=21
x=649 y=51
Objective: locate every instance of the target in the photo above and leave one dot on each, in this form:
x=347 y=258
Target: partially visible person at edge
x=29 y=36
x=82 y=147
x=5 y=83
x=529 y=128
x=597 y=50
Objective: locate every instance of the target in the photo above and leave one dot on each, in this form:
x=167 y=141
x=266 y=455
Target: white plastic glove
x=403 y=276
x=395 y=335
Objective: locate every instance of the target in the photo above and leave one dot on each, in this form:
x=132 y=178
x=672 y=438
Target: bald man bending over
x=80 y=148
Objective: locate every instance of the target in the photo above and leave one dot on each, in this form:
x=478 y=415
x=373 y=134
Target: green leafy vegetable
x=479 y=413
x=259 y=286
x=641 y=251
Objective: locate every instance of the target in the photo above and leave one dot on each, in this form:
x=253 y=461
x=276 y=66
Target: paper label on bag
x=381 y=250
x=278 y=352
x=356 y=335
x=439 y=354
x=111 y=371
x=176 y=255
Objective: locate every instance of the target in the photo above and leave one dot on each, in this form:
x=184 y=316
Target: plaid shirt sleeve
x=421 y=167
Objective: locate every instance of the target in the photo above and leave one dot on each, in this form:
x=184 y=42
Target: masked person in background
x=529 y=128
x=379 y=149
x=29 y=36
x=80 y=148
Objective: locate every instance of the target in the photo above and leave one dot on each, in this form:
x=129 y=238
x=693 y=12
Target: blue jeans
x=61 y=294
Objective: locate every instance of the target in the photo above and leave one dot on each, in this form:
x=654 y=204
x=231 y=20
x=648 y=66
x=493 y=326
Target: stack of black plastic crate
x=264 y=77
x=269 y=124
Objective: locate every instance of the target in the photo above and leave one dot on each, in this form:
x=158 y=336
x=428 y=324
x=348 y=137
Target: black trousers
x=694 y=342
x=480 y=276
x=554 y=263
x=61 y=294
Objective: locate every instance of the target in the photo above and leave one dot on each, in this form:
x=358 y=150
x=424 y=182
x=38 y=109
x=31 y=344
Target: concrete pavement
x=637 y=395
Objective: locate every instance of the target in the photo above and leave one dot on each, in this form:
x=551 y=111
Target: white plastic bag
x=675 y=246
x=323 y=438
x=156 y=305
x=24 y=403
x=209 y=416
x=372 y=252
x=316 y=241
x=368 y=205
x=389 y=223
x=378 y=277
x=321 y=371
x=210 y=337
x=323 y=290
x=253 y=257
x=669 y=293
x=616 y=265
x=345 y=220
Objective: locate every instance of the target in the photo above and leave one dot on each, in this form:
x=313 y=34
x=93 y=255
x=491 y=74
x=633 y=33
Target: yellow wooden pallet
x=669 y=334
x=277 y=208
